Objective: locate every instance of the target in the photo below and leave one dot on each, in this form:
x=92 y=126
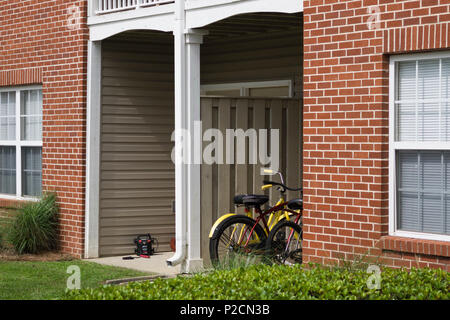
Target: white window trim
x=244 y=87
x=395 y=145
x=19 y=144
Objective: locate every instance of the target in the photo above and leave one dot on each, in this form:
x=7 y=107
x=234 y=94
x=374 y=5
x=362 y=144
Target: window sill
x=12 y=201
x=417 y=246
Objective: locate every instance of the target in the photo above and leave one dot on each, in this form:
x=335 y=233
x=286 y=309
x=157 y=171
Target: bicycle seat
x=254 y=199
x=238 y=198
x=295 y=204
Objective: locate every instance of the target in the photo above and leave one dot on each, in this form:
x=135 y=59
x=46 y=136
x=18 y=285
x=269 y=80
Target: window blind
x=31 y=171
x=422 y=101
x=7 y=116
x=31 y=115
x=8 y=170
x=423 y=193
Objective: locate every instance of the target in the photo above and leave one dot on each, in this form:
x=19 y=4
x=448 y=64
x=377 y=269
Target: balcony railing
x=108 y=6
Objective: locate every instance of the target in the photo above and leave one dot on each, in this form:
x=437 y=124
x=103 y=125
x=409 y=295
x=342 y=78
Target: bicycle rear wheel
x=284 y=243
x=237 y=241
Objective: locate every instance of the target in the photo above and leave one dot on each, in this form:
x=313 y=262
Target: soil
x=7 y=254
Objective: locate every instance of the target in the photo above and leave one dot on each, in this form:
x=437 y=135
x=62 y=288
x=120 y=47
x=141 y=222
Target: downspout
x=180 y=125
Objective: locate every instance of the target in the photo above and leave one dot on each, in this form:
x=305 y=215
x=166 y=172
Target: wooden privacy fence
x=220 y=182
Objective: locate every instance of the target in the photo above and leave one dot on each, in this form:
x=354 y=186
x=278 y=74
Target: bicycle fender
x=218 y=221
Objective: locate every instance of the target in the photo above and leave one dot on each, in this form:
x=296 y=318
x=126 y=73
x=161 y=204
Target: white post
x=93 y=150
x=194 y=38
x=187 y=176
x=181 y=180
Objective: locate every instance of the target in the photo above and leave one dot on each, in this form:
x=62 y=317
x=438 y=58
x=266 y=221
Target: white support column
x=93 y=150
x=181 y=181
x=194 y=38
x=187 y=175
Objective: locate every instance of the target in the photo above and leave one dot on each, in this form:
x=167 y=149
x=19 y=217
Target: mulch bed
x=7 y=254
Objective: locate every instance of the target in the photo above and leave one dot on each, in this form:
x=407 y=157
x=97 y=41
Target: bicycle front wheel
x=284 y=243
x=237 y=241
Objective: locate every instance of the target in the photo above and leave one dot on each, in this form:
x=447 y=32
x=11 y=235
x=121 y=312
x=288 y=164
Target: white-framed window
x=277 y=88
x=419 y=146
x=21 y=142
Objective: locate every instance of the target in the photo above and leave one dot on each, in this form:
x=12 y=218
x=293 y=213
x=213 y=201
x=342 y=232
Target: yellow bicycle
x=275 y=232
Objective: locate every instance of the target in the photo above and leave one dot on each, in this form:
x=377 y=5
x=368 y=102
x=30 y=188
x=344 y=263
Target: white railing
x=107 y=6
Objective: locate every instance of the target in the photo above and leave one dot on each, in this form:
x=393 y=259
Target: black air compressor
x=144 y=245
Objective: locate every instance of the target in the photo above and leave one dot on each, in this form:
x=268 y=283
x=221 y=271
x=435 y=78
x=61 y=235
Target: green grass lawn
x=25 y=280
x=6 y=217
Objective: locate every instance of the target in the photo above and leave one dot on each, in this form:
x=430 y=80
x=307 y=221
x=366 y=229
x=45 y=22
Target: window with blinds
x=21 y=142
x=421 y=145
x=422 y=102
x=8 y=170
x=424 y=191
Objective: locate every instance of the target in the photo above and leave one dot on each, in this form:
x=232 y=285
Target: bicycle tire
x=275 y=244
x=216 y=238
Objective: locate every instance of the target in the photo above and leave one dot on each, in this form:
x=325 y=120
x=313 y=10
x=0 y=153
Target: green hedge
x=281 y=282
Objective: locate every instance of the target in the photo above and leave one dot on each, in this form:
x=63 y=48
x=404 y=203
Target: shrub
x=263 y=282
x=35 y=227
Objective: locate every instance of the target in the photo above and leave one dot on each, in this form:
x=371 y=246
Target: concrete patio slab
x=156 y=264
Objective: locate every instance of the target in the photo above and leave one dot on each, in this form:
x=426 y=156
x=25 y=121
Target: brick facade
x=45 y=42
x=346 y=110
x=345 y=115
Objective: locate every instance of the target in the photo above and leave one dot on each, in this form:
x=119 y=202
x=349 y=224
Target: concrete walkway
x=156 y=264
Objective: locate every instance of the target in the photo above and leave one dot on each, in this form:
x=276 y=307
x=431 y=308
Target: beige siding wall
x=137 y=174
x=270 y=56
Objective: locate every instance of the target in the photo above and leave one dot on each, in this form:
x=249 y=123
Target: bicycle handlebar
x=281 y=185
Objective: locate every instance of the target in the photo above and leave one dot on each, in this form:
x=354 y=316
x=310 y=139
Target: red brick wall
x=346 y=126
x=40 y=43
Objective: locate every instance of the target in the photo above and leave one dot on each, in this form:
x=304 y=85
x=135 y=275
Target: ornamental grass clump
x=34 y=229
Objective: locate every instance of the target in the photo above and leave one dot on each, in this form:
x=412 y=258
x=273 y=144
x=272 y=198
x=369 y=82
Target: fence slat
x=241 y=169
x=293 y=152
x=276 y=117
x=259 y=122
x=224 y=187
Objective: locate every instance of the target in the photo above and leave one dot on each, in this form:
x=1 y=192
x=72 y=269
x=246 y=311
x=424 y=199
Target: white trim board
x=93 y=126
x=245 y=86
x=198 y=13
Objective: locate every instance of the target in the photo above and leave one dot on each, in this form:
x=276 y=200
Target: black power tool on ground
x=144 y=245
